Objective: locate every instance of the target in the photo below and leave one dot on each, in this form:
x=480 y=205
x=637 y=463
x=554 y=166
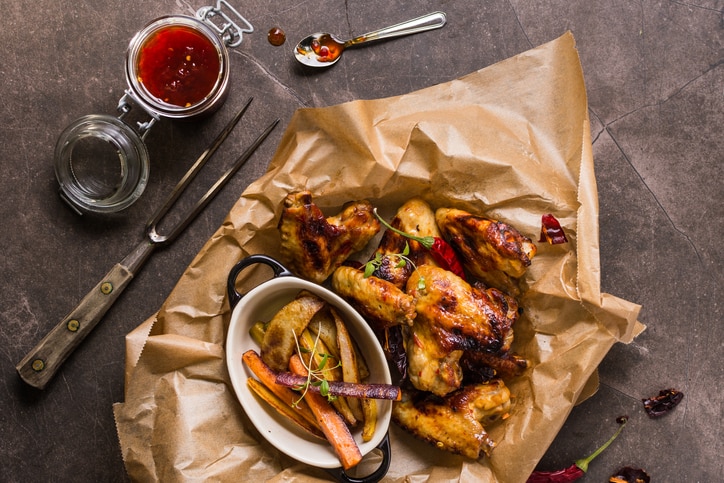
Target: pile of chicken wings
x=448 y=334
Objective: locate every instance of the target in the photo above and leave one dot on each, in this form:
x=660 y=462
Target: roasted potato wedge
x=279 y=338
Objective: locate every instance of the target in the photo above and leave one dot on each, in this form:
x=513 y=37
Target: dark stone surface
x=656 y=89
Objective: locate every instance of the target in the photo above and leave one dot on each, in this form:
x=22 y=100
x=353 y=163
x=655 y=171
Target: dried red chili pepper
x=551 y=230
x=394 y=347
x=577 y=469
x=441 y=251
x=659 y=405
x=572 y=473
x=630 y=475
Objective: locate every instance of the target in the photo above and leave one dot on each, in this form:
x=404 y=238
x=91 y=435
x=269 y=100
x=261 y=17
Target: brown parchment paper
x=511 y=141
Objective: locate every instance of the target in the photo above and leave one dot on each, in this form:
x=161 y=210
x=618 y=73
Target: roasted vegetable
x=332 y=424
x=628 y=474
x=291 y=412
x=341 y=388
x=348 y=360
x=268 y=378
x=279 y=338
x=551 y=231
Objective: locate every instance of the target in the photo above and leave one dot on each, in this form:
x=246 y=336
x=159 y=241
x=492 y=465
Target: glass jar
x=177 y=67
x=101 y=164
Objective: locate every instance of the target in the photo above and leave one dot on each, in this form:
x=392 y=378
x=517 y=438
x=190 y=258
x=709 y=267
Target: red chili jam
x=178 y=65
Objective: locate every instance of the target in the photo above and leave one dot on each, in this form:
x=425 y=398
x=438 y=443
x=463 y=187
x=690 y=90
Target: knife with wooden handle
x=39 y=366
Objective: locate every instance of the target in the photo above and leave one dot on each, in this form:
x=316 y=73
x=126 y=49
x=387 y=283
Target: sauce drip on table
x=178 y=65
x=276 y=36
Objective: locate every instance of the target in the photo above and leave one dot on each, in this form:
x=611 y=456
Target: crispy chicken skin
x=430 y=366
x=455 y=423
x=482 y=366
x=390 y=269
x=491 y=250
x=380 y=302
x=314 y=246
x=452 y=317
x=461 y=316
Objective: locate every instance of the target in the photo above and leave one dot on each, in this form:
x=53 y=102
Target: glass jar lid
x=101 y=163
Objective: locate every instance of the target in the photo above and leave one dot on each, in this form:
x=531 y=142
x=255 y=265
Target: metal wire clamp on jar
x=101 y=161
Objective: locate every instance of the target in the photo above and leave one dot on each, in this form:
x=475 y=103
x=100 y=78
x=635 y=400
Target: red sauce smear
x=178 y=65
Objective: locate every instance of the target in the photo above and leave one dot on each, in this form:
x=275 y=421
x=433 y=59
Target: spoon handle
x=421 y=24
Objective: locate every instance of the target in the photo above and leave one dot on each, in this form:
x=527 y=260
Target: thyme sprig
x=315 y=375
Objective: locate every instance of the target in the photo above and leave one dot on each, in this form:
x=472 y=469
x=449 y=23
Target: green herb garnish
x=402 y=260
x=315 y=376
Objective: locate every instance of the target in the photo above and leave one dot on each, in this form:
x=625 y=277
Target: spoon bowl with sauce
x=324 y=49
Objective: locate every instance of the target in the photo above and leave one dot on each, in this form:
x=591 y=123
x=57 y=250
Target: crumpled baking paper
x=511 y=141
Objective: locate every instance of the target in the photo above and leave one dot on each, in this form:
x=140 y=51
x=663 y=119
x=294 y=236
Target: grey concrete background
x=655 y=83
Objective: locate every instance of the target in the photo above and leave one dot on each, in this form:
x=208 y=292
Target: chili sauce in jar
x=177 y=67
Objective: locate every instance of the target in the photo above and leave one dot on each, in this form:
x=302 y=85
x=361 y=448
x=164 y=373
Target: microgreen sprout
x=402 y=260
x=315 y=376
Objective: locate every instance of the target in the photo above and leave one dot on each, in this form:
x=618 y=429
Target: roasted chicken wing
x=491 y=250
x=380 y=302
x=381 y=298
x=417 y=218
x=313 y=245
x=430 y=366
x=481 y=366
x=461 y=316
x=452 y=317
x=455 y=423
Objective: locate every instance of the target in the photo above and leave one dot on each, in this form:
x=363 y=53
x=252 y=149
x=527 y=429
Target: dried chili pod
x=572 y=473
x=630 y=475
x=394 y=347
x=551 y=230
x=667 y=400
x=578 y=469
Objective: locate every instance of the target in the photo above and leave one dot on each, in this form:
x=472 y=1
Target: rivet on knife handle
x=40 y=364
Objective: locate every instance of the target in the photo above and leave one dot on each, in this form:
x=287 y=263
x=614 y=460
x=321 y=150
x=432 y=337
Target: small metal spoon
x=323 y=49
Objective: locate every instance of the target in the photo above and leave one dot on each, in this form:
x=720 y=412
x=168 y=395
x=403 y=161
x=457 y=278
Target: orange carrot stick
x=333 y=425
x=268 y=377
x=283 y=408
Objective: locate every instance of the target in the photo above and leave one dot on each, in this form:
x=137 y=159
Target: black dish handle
x=279 y=271
x=378 y=474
